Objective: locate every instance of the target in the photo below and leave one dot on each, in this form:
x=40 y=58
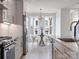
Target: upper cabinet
x=19 y=12
x=11 y=11
x=3 y=10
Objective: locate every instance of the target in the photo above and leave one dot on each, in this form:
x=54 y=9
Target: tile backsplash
x=14 y=31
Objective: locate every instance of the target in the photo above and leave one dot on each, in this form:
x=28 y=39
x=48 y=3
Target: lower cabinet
x=62 y=55
x=62 y=52
x=58 y=54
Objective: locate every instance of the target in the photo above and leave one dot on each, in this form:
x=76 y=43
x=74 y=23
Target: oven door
x=9 y=52
x=0 y=52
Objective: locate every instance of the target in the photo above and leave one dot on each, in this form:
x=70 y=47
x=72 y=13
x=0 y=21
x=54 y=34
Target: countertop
x=2 y=39
x=71 y=45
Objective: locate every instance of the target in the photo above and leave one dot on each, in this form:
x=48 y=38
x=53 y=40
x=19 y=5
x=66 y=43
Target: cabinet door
x=69 y=54
x=66 y=57
x=3 y=11
x=1 y=16
x=58 y=54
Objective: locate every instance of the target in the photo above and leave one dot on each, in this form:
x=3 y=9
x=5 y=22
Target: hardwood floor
x=38 y=52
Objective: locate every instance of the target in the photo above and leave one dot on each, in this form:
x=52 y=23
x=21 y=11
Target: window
x=46 y=22
x=36 y=23
x=50 y=20
x=36 y=32
x=46 y=32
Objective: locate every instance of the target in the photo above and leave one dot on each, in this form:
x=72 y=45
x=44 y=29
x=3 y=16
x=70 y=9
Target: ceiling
x=48 y=5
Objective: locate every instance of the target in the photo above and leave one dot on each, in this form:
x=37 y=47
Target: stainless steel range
x=7 y=48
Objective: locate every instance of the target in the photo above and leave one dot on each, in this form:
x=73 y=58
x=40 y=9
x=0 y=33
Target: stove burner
x=7 y=41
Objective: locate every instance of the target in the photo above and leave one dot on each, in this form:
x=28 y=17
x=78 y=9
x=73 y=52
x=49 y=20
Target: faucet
x=75 y=28
x=72 y=24
x=77 y=22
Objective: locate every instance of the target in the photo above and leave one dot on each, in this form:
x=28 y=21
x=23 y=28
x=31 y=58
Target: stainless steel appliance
x=1 y=51
x=7 y=48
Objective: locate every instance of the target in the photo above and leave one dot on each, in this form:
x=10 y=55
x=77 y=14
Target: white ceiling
x=48 y=5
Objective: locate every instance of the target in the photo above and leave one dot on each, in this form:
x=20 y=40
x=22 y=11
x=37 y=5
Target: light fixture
x=40 y=18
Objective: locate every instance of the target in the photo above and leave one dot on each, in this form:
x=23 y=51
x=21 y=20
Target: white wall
x=68 y=15
x=65 y=22
x=58 y=23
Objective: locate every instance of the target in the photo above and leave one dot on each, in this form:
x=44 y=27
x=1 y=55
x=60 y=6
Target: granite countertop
x=71 y=45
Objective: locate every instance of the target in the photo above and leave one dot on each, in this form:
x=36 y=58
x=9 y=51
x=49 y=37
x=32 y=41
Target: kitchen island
x=65 y=50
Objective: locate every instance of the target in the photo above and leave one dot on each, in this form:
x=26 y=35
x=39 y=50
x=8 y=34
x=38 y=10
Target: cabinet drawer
x=59 y=47
x=69 y=52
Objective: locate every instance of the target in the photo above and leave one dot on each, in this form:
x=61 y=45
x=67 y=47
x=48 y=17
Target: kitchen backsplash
x=14 y=31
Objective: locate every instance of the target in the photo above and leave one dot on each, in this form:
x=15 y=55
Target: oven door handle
x=7 y=49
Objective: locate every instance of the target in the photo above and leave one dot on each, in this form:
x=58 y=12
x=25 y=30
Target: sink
x=67 y=39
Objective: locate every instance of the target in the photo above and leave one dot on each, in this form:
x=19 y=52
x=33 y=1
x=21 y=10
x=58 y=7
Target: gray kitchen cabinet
x=69 y=53
x=3 y=11
x=19 y=12
x=0 y=16
x=58 y=54
x=13 y=13
x=62 y=52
